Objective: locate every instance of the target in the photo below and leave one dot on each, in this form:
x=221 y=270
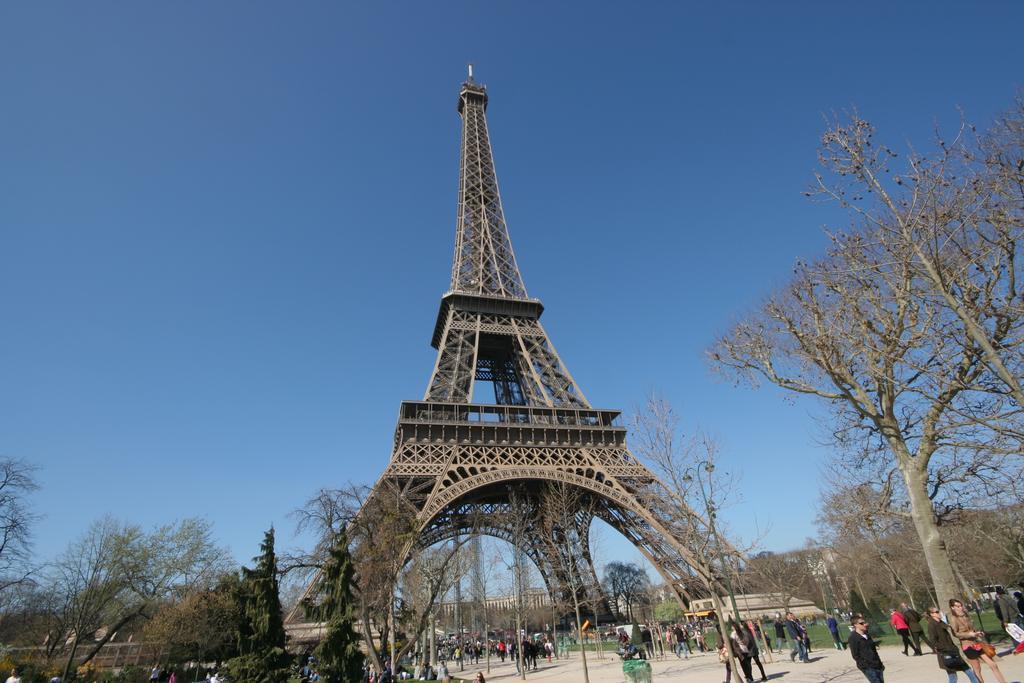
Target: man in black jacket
x=865 y=652
x=793 y=631
x=917 y=633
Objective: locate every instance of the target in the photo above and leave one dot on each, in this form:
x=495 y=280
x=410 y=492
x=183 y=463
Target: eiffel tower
x=458 y=462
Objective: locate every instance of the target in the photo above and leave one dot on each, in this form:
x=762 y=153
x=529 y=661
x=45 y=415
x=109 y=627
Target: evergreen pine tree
x=858 y=606
x=876 y=623
x=261 y=636
x=338 y=656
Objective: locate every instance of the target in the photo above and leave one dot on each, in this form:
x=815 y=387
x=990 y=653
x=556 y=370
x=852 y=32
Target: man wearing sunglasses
x=865 y=652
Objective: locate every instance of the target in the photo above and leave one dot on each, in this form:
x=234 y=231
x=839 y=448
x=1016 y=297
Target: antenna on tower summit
x=470 y=68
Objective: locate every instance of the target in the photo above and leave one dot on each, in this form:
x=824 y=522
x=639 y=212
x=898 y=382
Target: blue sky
x=225 y=227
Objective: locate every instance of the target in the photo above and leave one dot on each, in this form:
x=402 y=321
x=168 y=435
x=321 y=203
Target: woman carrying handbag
x=946 y=648
x=972 y=642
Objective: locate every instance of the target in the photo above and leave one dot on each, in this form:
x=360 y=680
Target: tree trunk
x=579 y=629
x=66 y=676
x=860 y=591
x=519 y=608
x=737 y=674
x=391 y=635
x=433 y=636
x=111 y=632
x=371 y=651
x=519 y=649
x=936 y=554
x=764 y=641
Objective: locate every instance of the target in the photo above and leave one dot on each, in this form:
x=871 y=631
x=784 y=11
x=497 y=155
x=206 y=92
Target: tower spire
x=484 y=262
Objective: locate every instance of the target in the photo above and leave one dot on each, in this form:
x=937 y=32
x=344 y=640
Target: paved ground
x=826 y=666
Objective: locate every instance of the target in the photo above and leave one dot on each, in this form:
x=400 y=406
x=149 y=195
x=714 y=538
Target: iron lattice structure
x=460 y=464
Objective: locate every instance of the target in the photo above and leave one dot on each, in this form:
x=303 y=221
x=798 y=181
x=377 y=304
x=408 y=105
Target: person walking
x=1005 y=609
x=763 y=633
x=917 y=634
x=724 y=658
x=865 y=652
x=648 y=642
x=793 y=629
x=755 y=652
x=833 y=628
x=805 y=636
x=971 y=642
x=899 y=623
x=780 y=632
x=681 y=645
x=947 y=651
x=742 y=646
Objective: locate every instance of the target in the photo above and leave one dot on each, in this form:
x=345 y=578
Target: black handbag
x=954 y=662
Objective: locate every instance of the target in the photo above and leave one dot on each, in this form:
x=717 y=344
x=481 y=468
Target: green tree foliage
x=117 y=576
x=334 y=605
x=261 y=629
x=668 y=610
x=202 y=626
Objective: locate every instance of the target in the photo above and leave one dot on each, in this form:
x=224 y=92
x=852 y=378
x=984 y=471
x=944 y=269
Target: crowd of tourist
x=950 y=635
x=958 y=646
x=455 y=654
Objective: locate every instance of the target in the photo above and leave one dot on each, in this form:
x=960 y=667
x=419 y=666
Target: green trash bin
x=636 y=671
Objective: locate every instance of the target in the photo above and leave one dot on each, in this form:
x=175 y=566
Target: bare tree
x=424 y=581
x=596 y=600
x=988 y=545
x=381 y=527
x=17 y=481
x=323 y=516
x=483 y=580
x=904 y=389
x=691 y=481
x=520 y=515
x=910 y=327
x=958 y=213
x=561 y=508
x=88 y=584
x=860 y=518
x=786 y=575
x=627 y=584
